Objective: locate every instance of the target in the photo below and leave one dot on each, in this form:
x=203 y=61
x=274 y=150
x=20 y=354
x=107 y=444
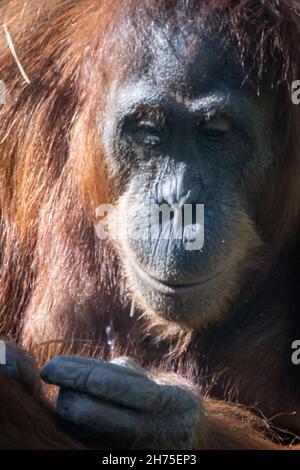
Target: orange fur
x=58 y=283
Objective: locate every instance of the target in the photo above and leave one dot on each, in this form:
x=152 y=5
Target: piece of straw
x=132 y=309
x=13 y=51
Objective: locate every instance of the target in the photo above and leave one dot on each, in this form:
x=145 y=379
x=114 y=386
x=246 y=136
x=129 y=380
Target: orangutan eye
x=151 y=132
x=216 y=129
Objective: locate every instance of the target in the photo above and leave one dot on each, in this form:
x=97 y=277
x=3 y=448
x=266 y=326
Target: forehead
x=190 y=62
x=180 y=62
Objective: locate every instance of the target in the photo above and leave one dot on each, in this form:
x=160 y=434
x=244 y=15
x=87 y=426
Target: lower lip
x=168 y=289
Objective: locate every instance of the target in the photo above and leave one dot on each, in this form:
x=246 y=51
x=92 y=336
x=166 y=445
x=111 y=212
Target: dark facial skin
x=185 y=131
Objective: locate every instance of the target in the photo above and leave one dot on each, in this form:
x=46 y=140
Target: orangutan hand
x=118 y=402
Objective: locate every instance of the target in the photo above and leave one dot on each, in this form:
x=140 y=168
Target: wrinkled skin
x=118 y=402
x=185 y=131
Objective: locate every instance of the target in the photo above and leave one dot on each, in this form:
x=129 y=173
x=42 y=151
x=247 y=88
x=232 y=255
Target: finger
x=98 y=419
x=103 y=380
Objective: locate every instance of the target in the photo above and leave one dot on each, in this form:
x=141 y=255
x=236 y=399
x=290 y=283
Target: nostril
x=174 y=194
x=169 y=192
x=191 y=196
